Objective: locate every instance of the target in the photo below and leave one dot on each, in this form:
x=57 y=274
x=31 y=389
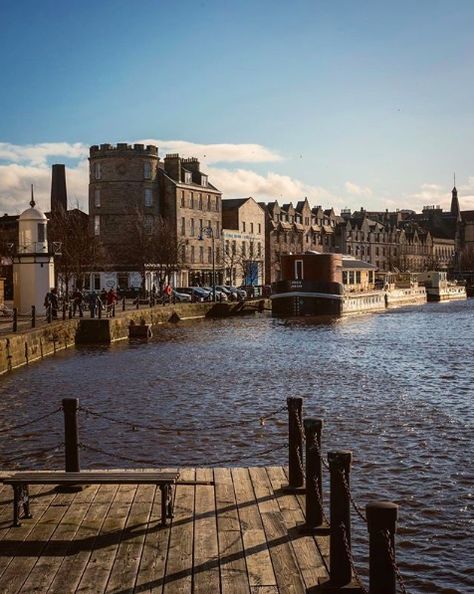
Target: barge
x=403 y=288
x=438 y=288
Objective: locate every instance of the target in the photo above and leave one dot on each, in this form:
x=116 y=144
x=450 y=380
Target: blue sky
x=348 y=102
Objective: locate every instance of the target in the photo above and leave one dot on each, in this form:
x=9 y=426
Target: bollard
x=314 y=485
x=340 y=519
x=33 y=316
x=123 y=304
x=295 y=443
x=71 y=434
x=15 y=319
x=70 y=312
x=137 y=304
x=99 y=311
x=113 y=310
x=382 y=523
x=64 y=311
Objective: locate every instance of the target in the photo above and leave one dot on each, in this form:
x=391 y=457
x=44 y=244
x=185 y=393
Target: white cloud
x=356 y=190
x=38 y=154
x=216 y=153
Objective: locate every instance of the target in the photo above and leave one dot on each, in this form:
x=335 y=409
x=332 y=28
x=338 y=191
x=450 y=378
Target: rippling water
x=395 y=388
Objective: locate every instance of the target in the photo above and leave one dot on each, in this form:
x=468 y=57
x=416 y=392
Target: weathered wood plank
x=284 y=563
x=257 y=556
x=82 y=545
x=96 y=574
x=234 y=578
x=206 y=577
x=307 y=555
x=179 y=568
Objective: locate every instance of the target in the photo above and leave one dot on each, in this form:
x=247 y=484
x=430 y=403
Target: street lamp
x=209 y=231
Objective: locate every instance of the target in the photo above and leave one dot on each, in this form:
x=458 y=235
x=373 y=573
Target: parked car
x=196 y=293
x=181 y=297
x=220 y=295
x=241 y=293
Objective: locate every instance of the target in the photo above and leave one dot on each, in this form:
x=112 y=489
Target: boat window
x=298 y=269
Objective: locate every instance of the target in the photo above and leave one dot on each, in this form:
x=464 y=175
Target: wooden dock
x=238 y=535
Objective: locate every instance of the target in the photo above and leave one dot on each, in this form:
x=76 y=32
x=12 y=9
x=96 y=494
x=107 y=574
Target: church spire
x=32 y=201
x=455 y=210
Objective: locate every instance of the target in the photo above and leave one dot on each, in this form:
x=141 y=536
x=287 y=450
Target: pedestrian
x=111 y=300
x=168 y=292
x=94 y=303
x=52 y=302
x=77 y=301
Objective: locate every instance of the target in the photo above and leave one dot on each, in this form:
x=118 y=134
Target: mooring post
x=99 y=311
x=340 y=518
x=137 y=302
x=295 y=442
x=382 y=524
x=123 y=304
x=314 y=486
x=71 y=434
x=113 y=310
x=33 y=316
x=70 y=311
x=15 y=319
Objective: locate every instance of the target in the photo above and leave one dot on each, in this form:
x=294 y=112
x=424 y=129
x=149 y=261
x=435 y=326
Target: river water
x=395 y=388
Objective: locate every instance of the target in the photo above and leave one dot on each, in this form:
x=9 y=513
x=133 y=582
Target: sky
x=350 y=103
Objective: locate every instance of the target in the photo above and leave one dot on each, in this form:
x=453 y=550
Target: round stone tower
x=33 y=264
x=123 y=187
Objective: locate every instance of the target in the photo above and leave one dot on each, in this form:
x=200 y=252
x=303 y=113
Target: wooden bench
x=21 y=480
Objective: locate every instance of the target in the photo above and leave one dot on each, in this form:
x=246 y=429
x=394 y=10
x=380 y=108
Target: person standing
x=77 y=300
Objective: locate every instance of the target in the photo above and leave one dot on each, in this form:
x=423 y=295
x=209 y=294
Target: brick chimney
x=58 y=189
x=173 y=166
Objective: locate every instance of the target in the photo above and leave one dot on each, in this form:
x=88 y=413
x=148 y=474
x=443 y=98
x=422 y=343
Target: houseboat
x=325 y=285
x=403 y=288
x=438 y=288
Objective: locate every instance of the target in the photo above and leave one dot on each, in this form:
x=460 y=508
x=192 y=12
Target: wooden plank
x=233 y=569
x=206 y=577
x=308 y=557
x=179 y=567
x=257 y=556
x=85 y=478
x=150 y=575
x=124 y=571
x=97 y=571
x=38 y=538
x=285 y=566
x=49 y=562
x=82 y=545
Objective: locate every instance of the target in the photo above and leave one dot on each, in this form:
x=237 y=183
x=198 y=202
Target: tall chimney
x=58 y=189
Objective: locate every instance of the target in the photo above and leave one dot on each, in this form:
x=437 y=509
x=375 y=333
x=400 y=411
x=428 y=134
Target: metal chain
x=391 y=552
x=357 y=509
x=314 y=485
x=351 y=560
x=300 y=427
x=315 y=445
x=214 y=463
x=36 y=420
x=183 y=429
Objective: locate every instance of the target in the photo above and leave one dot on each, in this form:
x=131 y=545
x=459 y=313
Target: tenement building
x=158 y=220
x=295 y=230
x=243 y=222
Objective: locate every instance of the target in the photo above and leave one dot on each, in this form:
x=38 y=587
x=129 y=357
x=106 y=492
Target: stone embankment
x=17 y=349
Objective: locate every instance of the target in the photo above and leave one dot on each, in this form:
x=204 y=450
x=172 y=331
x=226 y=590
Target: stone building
x=243 y=222
x=295 y=230
x=149 y=214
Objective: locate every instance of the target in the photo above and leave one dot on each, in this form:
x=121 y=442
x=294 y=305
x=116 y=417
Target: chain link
x=391 y=552
x=27 y=423
x=357 y=509
x=313 y=484
x=351 y=560
x=182 y=429
x=315 y=445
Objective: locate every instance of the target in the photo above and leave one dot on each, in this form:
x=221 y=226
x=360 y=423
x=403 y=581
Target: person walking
x=77 y=301
x=111 y=300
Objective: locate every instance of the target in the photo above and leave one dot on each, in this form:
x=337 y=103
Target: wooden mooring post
x=71 y=442
x=295 y=444
x=314 y=486
x=123 y=304
x=381 y=523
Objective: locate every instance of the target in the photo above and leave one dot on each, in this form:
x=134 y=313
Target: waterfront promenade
x=237 y=535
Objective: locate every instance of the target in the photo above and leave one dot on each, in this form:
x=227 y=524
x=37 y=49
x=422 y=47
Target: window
x=188 y=177
x=96 y=281
x=251 y=249
x=217 y=229
x=243 y=226
x=200 y=201
x=183 y=253
x=204 y=181
x=217 y=203
x=147 y=170
x=218 y=255
x=358 y=277
x=259 y=249
x=306 y=221
x=192 y=254
x=97 y=198
x=244 y=249
x=41 y=232
x=148 y=197
x=200 y=226
x=344 y=277
x=351 y=277
x=259 y=229
x=209 y=254
x=201 y=254
x=251 y=227
x=97 y=171
x=183 y=203
x=192 y=201
x=97 y=225
x=192 y=227
x=208 y=202
x=227 y=247
x=298 y=269
x=234 y=247
x=183 y=226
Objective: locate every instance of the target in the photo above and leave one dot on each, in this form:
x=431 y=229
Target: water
x=395 y=388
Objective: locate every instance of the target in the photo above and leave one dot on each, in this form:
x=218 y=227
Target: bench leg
x=21 y=502
x=166 y=503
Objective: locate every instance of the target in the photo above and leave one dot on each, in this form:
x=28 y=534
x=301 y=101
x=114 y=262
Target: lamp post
x=209 y=231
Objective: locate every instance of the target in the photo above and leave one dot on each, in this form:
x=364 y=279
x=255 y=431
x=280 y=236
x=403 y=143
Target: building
x=157 y=219
x=243 y=222
x=294 y=230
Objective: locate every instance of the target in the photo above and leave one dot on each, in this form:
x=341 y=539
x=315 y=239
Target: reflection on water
x=396 y=388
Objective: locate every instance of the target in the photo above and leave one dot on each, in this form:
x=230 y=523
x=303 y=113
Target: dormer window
x=188 y=177
x=204 y=181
